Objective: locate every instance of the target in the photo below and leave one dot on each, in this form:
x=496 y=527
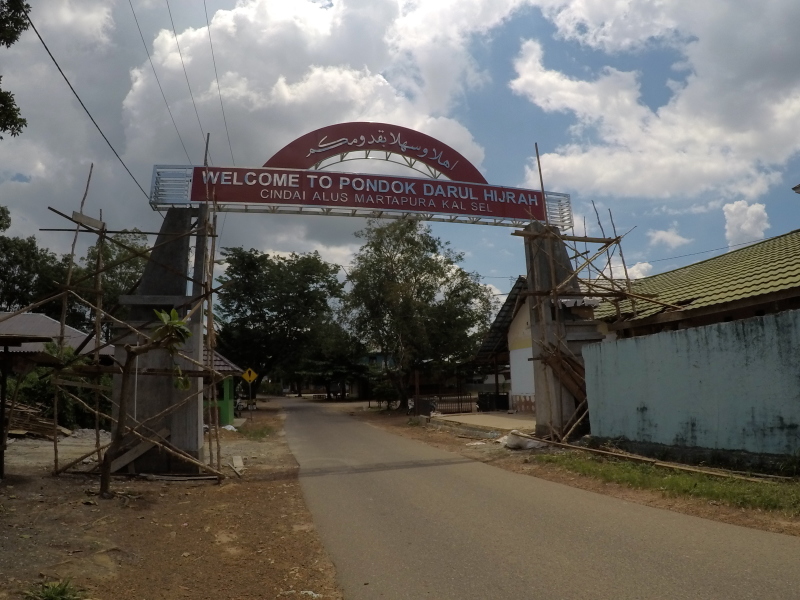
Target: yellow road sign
x=249 y=376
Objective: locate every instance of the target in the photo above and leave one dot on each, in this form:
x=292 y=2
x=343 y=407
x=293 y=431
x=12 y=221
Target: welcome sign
x=358 y=190
x=298 y=179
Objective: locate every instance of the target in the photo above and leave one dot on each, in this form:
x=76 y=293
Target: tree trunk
x=256 y=385
x=398 y=381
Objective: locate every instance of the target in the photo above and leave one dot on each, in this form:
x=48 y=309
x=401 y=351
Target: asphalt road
x=403 y=520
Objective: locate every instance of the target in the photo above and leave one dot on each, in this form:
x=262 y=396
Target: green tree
x=409 y=300
x=273 y=309
x=122 y=279
x=27 y=272
x=31 y=273
x=13 y=22
x=5 y=218
x=336 y=360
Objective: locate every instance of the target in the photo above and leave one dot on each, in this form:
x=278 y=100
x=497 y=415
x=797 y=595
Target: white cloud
x=285 y=68
x=497 y=293
x=728 y=127
x=694 y=209
x=431 y=40
x=667 y=237
x=616 y=270
x=611 y=25
x=639 y=270
x=88 y=25
x=745 y=222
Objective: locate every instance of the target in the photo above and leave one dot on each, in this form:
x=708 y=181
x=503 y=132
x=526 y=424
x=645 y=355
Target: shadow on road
x=377 y=467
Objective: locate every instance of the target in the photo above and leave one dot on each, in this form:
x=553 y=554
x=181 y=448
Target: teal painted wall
x=731 y=386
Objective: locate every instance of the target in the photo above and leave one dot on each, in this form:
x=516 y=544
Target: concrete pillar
x=548 y=265
x=163 y=287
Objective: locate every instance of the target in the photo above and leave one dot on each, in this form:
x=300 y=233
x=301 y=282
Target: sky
x=680 y=117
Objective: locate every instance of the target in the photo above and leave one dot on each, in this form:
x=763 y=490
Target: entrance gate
x=298 y=179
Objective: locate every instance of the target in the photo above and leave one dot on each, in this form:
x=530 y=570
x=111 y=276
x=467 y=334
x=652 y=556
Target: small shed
x=37 y=324
x=225 y=404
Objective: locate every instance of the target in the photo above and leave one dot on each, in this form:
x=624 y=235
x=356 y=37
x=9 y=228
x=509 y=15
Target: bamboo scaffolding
x=70 y=288
x=164 y=445
x=63 y=321
x=551 y=336
x=98 y=323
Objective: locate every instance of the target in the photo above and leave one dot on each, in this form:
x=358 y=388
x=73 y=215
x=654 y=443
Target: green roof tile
x=766 y=267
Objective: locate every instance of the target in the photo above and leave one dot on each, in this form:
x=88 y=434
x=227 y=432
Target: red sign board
x=361 y=191
x=414 y=146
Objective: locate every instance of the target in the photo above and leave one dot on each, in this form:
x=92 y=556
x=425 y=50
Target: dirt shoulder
x=250 y=537
x=519 y=461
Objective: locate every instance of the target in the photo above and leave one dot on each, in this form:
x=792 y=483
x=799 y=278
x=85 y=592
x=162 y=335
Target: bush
x=55 y=590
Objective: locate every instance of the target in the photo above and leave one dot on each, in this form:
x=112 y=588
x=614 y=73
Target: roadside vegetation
x=778 y=495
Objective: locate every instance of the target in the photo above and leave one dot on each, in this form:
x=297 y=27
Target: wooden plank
x=87 y=221
x=567 y=238
x=136 y=451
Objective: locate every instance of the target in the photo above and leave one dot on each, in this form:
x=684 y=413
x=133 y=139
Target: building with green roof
x=717 y=367
x=756 y=280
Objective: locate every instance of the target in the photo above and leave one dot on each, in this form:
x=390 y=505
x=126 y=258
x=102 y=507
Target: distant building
x=39 y=324
x=508 y=346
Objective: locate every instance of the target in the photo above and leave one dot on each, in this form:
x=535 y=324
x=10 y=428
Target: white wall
x=520 y=352
x=730 y=386
x=521 y=372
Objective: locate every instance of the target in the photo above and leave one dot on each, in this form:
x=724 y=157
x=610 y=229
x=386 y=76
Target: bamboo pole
x=624 y=266
x=98 y=323
x=74 y=462
x=132 y=329
x=645 y=460
x=30 y=307
x=164 y=446
x=211 y=334
x=63 y=321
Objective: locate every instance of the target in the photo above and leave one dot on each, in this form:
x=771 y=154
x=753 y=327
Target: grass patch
x=782 y=496
x=55 y=590
x=256 y=433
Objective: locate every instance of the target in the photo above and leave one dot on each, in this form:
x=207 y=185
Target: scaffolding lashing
x=570 y=274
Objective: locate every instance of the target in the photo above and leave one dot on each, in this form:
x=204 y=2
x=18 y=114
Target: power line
x=707 y=251
x=159 y=82
x=86 y=110
x=653 y=260
x=197 y=114
x=216 y=75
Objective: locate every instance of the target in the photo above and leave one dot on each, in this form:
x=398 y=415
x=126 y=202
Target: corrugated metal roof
x=763 y=268
x=496 y=340
x=39 y=324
